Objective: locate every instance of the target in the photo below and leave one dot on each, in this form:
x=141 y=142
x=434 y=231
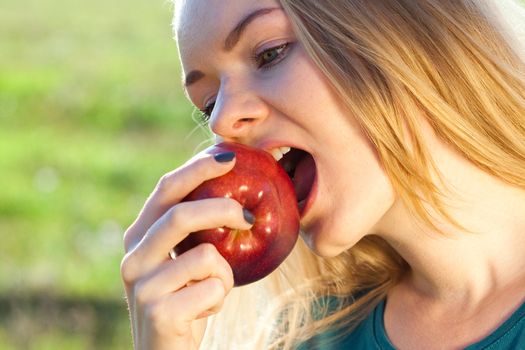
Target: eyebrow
x=231 y=40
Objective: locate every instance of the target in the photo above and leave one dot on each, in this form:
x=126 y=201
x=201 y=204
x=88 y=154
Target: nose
x=237 y=113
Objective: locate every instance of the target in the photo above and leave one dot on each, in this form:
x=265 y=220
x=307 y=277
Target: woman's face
x=243 y=65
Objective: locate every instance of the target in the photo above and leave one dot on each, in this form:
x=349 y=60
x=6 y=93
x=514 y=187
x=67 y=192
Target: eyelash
x=205 y=113
x=281 y=51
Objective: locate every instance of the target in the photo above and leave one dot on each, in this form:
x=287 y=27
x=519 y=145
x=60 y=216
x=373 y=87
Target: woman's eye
x=206 y=113
x=264 y=60
x=270 y=57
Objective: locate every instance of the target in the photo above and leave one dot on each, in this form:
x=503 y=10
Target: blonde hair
x=456 y=63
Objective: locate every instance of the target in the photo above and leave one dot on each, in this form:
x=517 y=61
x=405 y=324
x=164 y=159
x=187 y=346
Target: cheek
x=355 y=195
x=300 y=90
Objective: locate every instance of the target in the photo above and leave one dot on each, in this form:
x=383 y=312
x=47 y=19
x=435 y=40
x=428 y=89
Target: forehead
x=205 y=23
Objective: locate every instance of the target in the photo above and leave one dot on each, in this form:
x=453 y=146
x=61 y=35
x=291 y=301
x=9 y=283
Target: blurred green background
x=91 y=115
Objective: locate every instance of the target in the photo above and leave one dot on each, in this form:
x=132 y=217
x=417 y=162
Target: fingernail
x=248 y=216
x=224 y=157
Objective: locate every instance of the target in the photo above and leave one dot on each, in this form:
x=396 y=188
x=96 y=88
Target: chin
x=327 y=241
x=332 y=232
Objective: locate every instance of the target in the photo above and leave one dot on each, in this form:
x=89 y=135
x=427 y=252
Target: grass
x=91 y=115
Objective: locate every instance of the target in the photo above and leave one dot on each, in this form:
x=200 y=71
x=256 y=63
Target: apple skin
x=262 y=186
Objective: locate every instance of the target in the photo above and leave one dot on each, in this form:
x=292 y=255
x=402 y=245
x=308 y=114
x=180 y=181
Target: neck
x=460 y=266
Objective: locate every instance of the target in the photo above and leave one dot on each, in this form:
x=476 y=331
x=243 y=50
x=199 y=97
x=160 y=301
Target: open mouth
x=300 y=166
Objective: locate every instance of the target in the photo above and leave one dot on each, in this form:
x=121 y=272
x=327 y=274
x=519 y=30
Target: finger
x=172 y=188
x=181 y=309
x=199 y=263
x=174 y=226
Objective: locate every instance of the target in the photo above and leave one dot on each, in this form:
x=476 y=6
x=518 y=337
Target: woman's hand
x=170 y=299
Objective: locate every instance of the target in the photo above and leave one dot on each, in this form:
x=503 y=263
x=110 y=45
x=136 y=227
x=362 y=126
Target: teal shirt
x=370 y=335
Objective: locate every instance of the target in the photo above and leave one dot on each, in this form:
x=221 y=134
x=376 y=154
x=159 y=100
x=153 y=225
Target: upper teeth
x=278 y=153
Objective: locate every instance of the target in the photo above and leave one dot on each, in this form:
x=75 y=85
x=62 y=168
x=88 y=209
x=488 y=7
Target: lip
x=309 y=201
x=267 y=146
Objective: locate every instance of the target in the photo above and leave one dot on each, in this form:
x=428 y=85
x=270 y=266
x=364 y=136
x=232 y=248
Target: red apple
x=261 y=186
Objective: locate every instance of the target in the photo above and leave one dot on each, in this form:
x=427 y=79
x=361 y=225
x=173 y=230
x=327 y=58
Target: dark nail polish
x=224 y=157
x=248 y=216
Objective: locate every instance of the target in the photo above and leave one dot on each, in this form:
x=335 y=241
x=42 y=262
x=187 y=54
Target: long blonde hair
x=458 y=63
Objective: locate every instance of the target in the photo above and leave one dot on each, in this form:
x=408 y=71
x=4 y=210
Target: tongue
x=304 y=177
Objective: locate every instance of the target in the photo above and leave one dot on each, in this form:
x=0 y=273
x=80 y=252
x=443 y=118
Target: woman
x=413 y=117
